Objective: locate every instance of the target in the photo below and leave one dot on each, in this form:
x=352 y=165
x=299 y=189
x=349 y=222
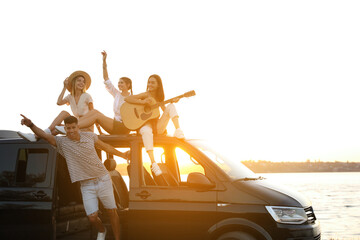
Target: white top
x=118 y=99
x=81 y=157
x=82 y=107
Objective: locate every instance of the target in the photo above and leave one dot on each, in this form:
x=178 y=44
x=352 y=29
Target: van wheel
x=236 y=235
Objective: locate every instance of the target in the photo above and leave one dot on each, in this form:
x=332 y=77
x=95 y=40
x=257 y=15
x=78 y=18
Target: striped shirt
x=81 y=157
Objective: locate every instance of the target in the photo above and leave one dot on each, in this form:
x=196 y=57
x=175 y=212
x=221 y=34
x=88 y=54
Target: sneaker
x=101 y=235
x=28 y=136
x=156 y=169
x=179 y=133
x=47 y=131
x=60 y=129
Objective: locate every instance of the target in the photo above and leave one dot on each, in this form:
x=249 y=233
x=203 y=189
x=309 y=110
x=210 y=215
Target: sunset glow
x=275 y=81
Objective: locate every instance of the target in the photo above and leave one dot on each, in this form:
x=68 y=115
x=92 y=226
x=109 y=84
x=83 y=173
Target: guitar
x=136 y=115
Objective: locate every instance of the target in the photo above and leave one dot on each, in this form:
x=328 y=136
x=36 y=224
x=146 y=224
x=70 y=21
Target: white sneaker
x=47 y=131
x=28 y=136
x=156 y=169
x=179 y=133
x=60 y=129
x=101 y=235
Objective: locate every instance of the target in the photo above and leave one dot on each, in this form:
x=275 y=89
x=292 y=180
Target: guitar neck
x=166 y=102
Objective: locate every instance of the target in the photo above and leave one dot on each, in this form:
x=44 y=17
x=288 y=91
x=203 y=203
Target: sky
x=274 y=80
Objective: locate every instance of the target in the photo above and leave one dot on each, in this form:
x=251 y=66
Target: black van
x=200 y=195
x=37 y=198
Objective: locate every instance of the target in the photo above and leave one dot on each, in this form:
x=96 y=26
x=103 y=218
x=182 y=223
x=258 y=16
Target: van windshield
x=234 y=169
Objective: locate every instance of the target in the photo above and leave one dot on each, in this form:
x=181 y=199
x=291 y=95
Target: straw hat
x=77 y=74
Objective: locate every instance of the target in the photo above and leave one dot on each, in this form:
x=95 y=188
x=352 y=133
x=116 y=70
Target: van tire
x=236 y=235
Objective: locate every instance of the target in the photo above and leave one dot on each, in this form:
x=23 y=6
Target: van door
x=26 y=191
x=70 y=212
x=167 y=208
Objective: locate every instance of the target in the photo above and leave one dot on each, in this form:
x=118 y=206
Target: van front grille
x=310 y=214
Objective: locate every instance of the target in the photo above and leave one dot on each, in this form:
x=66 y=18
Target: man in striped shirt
x=85 y=167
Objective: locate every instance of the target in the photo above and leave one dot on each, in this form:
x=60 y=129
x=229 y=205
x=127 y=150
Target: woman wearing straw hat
x=78 y=99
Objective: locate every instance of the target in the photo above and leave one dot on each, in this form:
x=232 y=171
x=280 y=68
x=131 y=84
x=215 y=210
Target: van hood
x=273 y=194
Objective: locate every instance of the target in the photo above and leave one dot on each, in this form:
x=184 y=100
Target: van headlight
x=287 y=215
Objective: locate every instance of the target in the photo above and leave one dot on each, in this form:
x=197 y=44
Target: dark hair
x=129 y=82
x=70 y=120
x=160 y=96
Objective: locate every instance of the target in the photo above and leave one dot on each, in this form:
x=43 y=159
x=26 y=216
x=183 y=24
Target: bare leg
x=94 y=116
x=96 y=222
x=58 y=120
x=115 y=223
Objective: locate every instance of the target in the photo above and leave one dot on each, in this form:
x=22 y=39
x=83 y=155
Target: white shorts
x=97 y=188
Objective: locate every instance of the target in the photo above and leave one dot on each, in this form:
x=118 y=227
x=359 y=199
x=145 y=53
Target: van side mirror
x=199 y=181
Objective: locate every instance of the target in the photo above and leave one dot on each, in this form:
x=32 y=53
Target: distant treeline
x=279 y=167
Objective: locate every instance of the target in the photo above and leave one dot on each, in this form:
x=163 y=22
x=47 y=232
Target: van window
x=122 y=165
x=187 y=164
x=26 y=167
x=7 y=166
x=158 y=154
x=31 y=167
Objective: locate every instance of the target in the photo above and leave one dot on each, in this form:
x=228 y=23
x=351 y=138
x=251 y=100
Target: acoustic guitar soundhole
x=147 y=113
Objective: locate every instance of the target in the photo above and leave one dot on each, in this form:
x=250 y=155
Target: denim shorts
x=119 y=128
x=97 y=188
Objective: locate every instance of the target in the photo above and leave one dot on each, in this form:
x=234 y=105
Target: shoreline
x=301 y=167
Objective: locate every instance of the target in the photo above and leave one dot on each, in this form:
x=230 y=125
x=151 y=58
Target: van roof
x=11 y=136
x=8 y=134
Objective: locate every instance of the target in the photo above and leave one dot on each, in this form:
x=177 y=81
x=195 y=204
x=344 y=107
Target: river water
x=335 y=198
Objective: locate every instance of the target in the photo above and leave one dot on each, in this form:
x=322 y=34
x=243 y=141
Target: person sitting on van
x=79 y=100
x=78 y=149
x=115 y=125
x=155 y=91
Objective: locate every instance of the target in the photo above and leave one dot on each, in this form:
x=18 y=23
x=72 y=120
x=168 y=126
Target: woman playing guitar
x=155 y=93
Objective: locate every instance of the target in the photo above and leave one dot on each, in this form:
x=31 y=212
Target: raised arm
x=61 y=100
x=108 y=84
x=105 y=72
x=109 y=149
x=38 y=132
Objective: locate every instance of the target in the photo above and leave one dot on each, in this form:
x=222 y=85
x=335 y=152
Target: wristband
x=31 y=125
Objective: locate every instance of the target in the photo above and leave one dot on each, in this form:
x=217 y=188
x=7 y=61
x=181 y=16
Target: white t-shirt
x=118 y=99
x=82 y=107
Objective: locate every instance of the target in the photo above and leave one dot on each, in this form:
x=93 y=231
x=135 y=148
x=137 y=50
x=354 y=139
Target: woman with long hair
x=110 y=125
x=79 y=100
x=155 y=91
